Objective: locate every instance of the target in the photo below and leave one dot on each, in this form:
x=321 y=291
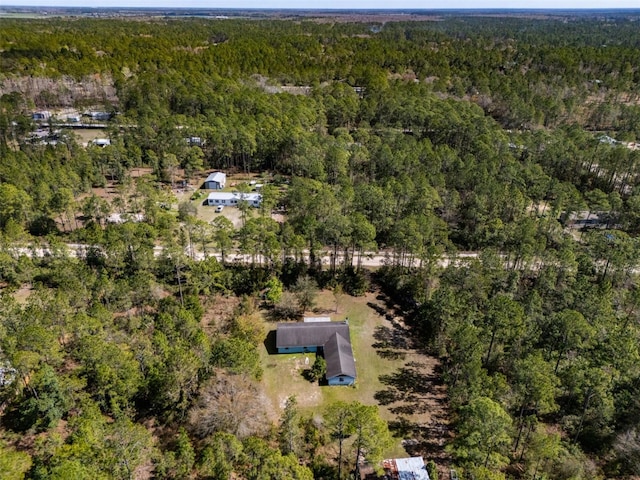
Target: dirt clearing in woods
x=218 y=309
x=414 y=393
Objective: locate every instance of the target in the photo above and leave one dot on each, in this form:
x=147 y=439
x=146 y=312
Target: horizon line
x=337 y=9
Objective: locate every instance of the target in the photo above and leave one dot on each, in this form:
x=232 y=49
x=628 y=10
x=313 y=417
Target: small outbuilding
x=101 y=142
x=99 y=116
x=194 y=141
x=316 y=319
x=215 y=181
x=41 y=116
x=412 y=468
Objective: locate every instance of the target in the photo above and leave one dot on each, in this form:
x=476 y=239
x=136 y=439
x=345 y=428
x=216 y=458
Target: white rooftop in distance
x=412 y=468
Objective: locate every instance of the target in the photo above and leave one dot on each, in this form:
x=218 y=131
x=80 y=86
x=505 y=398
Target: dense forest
x=511 y=139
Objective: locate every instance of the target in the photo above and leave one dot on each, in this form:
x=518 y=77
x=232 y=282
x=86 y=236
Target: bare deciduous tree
x=627 y=447
x=231 y=404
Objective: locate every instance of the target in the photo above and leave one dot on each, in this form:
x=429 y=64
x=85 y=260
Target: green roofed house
x=330 y=339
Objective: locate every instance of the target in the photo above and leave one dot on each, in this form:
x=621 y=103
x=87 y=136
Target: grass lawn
x=283 y=373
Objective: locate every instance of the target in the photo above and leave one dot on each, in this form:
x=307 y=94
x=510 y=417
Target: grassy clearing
x=283 y=373
x=87 y=135
x=207 y=213
x=406 y=377
x=363 y=321
x=23 y=293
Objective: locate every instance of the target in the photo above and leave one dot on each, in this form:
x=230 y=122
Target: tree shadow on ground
x=389 y=312
x=411 y=387
x=390 y=354
x=430 y=442
x=427 y=441
x=415 y=393
x=416 y=389
x=395 y=336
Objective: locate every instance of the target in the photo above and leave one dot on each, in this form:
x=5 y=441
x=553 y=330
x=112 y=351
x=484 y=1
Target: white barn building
x=215 y=181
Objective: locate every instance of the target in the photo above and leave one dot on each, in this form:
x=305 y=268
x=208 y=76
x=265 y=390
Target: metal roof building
x=216 y=181
x=233 y=198
x=412 y=468
x=340 y=362
x=332 y=337
x=310 y=335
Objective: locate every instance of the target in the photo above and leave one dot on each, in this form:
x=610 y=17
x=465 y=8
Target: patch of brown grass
x=22 y=294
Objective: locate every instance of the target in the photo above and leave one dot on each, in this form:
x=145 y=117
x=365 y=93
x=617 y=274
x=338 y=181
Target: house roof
x=249 y=197
x=314 y=334
x=412 y=468
x=216 y=177
x=332 y=336
x=339 y=356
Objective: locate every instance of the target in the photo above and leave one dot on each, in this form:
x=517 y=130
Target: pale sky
x=338 y=4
